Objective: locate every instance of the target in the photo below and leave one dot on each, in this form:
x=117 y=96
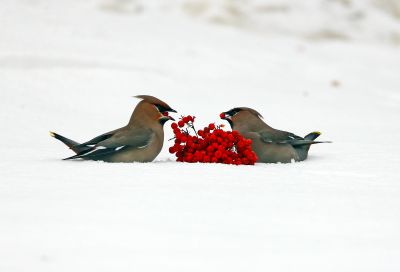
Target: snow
x=73 y=67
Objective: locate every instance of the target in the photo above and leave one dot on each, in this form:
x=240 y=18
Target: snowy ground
x=72 y=67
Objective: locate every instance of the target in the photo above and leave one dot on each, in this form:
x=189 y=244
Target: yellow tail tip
x=317 y=132
x=52 y=134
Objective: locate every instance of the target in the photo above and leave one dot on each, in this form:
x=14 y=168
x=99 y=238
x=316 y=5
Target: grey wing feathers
x=121 y=137
x=98 y=139
x=95 y=153
x=134 y=138
x=278 y=136
x=113 y=142
x=283 y=137
x=304 y=142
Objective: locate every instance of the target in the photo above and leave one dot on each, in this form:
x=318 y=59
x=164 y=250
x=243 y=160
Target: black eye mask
x=232 y=112
x=161 y=108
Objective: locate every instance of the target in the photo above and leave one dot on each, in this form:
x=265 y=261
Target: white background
x=72 y=67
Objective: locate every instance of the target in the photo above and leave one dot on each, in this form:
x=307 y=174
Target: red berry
x=212 y=144
x=213 y=138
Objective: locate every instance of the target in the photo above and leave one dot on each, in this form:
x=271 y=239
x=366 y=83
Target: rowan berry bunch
x=210 y=145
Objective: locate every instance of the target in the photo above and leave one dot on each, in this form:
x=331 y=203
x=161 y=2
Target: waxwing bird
x=141 y=140
x=270 y=145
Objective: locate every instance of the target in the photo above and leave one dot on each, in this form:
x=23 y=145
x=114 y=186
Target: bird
x=270 y=145
x=141 y=140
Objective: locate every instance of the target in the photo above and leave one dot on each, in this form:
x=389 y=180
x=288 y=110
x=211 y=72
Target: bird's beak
x=224 y=116
x=164 y=119
x=165 y=114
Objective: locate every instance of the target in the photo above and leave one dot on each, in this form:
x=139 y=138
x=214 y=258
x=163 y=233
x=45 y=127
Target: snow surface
x=72 y=67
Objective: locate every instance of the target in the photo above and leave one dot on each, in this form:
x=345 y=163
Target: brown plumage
x=141 y=140
x=271 y=145
x=155 y=101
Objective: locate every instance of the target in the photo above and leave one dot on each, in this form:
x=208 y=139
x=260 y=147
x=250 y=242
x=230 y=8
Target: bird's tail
x=74 y=146
x=303 y=146
x=312 y=136
x=308 y=140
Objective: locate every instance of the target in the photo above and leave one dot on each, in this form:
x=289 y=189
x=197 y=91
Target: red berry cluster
x=210 y=145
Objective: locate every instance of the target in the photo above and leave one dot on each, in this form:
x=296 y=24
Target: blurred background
x=82 y=59
x=314 y=20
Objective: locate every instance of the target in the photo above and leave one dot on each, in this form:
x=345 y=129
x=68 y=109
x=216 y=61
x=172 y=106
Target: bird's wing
x=119 y=140
x=278 y=136
x=286 y=138
x=122 y=136
x=137 y=137
x=97 y=152
x=98 y=139
x=283 y=137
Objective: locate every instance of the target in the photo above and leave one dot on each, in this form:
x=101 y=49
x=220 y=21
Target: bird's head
x=151 y=108
x=240 y=115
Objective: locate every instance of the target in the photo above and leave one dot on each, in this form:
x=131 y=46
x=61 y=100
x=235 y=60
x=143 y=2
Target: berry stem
x=192 y=126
